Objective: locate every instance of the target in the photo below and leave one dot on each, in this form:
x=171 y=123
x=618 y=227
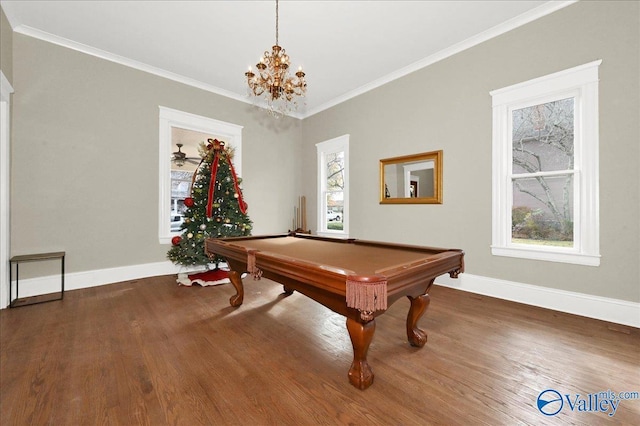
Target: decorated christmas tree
x=215 y=209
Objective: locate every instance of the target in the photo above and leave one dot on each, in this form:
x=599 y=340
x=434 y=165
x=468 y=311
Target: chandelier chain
x=272 y=82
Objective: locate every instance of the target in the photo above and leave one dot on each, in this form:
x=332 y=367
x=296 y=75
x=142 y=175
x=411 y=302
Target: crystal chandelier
x=273 y=82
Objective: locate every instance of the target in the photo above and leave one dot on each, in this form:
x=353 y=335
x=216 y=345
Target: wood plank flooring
x=150 y=352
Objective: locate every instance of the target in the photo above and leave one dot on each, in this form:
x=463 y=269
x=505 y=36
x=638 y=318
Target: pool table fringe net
x=255 y=272
x=366 y=296
x=363 y=293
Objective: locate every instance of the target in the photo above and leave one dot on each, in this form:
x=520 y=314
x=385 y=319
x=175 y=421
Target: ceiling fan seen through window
x=179 y=158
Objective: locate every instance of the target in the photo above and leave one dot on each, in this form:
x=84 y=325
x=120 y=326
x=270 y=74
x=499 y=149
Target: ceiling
x=345 y=47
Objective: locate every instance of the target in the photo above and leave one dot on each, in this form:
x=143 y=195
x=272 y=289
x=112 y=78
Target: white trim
x=541 y=86
x=518 y=21
x=230 y=133
x=5 y=186
x=408 y=168
x=87 y=279
x=551 y=254
x=341 y=143
x=103 y=54
x=596 y=307
x=5 y=88
x=580 y=83
x=127 y=62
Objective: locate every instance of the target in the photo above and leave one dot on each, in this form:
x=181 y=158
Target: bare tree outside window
x=543 y=173
x=335 y=171
x=335 y=190
x=545 y=152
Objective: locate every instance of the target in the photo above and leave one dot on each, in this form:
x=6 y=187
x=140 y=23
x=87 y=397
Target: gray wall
x=85 y=136
x=447 y=106
x=85 y=157
x=6 y=47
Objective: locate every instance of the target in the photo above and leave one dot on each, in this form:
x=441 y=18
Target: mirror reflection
x=411 y=179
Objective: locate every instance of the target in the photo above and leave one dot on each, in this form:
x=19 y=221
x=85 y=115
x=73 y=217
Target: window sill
x=547 y=255
x=335 y=234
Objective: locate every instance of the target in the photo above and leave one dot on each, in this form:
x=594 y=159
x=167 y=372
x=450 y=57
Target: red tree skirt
x=205 y=278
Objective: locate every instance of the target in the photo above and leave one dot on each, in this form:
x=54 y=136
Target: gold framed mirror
x=412 y=179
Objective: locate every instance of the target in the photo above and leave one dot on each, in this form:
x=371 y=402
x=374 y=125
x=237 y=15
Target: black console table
x=17 y=260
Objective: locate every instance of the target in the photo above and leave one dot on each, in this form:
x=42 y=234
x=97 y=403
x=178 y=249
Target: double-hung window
x=333 y=187
x=545 y=168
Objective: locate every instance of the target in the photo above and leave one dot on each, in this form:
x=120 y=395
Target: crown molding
x=102 y=54
x=532 y=15
x=518 y=21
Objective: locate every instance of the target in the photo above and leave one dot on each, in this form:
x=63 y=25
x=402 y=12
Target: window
x=333 y=187
x=545 y=168
x=180 y=189
x=175 y=184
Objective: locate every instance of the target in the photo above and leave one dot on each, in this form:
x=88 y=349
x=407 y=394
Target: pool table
x=357 y=279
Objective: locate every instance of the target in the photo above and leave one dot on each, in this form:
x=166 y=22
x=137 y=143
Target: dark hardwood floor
x=149 y=352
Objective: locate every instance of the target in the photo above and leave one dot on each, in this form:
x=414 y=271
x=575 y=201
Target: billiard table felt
x=363 y=259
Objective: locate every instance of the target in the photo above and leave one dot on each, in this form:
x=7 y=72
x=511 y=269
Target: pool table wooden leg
x=419 y=305
x=236 y=280
x=288 y=291
x=360 y=374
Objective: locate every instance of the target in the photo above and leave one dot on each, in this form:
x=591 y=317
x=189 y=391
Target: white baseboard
x=602 y=308
x=78 y=280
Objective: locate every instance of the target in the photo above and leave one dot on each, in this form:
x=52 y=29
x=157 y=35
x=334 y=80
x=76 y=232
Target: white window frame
x=339 y=144
x=581 y=83
x=230 y=133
